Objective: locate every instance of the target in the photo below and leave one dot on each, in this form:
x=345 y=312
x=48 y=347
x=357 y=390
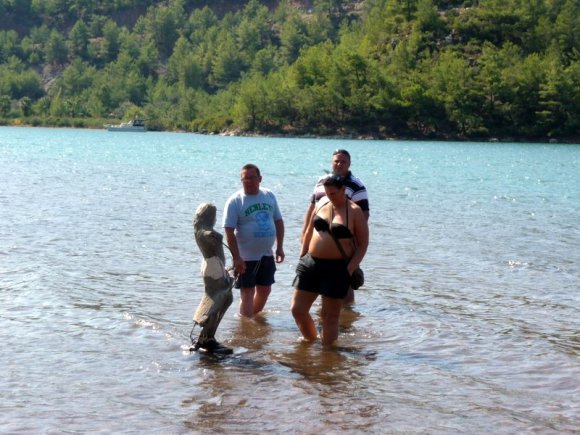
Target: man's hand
x=280 y=255
x=239 y=265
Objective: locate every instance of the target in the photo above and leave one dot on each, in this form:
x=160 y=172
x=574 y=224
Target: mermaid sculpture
x=218 y=281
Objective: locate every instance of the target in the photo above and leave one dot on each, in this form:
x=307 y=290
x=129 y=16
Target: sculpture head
x=205 y=217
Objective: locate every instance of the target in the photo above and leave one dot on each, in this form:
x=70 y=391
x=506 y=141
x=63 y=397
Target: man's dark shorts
x=259 y=272
x=326 y=277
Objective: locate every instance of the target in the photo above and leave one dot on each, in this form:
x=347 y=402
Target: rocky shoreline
x=342 y=135
x=435 y=138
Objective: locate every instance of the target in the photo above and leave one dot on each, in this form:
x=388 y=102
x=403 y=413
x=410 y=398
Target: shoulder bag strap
x=338 y=245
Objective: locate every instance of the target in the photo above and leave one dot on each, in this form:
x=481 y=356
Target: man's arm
x=364 y=205
x=239 y=264
x=279 y=240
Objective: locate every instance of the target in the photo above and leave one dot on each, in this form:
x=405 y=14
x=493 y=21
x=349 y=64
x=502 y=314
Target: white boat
x=133 y=125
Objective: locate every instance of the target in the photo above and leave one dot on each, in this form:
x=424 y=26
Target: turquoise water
x=468 y=322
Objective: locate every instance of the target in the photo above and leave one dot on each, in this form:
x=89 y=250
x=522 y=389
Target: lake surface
x=469 y=321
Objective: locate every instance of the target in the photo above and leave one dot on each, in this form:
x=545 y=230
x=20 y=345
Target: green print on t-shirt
x=258 y=207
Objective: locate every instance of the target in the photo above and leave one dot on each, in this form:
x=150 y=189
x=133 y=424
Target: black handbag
x=357 y=279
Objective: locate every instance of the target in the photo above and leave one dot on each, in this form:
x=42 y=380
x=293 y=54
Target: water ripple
x=468 y=321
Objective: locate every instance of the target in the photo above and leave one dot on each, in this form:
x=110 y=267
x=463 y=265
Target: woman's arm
x=307 y=218
x=307 y=236
x=361 y=237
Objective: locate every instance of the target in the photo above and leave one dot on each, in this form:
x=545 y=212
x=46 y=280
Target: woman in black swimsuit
x=322 y=270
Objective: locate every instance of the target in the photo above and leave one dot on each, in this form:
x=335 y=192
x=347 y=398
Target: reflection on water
x=319 y=365
x=347 y=320
x=282 y=388
x=252 y=334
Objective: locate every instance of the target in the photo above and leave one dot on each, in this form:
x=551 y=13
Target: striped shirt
x=355 y=191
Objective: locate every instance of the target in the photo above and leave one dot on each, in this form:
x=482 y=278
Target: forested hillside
x=382 y=68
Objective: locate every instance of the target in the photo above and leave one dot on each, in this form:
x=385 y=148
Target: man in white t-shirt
x=252 y=224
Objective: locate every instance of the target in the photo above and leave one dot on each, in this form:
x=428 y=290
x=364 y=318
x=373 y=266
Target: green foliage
x=293 y=37
x=453 y=88
x=25 y=104
x=78 y=39
x=8 y=45
x=184 y=66
x=228 y=63
x=5 y=105
x=16 y=81
x=250 y=110
x=394 y=67
x=55 y=49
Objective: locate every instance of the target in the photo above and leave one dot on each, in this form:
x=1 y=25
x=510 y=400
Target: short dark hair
x=334 y=181
x=252 y=166
x=341 y=151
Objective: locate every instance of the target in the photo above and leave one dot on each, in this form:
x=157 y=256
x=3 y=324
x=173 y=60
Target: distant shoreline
x=446 y=138
x=340 y=136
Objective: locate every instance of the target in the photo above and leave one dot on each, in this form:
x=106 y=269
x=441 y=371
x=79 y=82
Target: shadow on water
x=347 y=320
x=243 y=392
x=249 y=339
x=325 y=366
x=254 y=334
x=328 y=365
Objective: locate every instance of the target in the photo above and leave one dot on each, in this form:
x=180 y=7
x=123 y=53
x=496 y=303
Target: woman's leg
x=301 y=303
x=330 y=314
x=349 y=299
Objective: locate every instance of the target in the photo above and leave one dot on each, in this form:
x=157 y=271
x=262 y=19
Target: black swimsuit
x=338 y=230
x=328 y=277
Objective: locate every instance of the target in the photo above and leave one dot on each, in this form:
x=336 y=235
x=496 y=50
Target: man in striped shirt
x=355 y=191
